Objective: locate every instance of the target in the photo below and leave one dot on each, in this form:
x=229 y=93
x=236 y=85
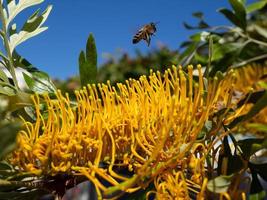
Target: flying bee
x=145 y=33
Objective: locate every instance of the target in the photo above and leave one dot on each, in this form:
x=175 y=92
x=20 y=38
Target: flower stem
x=7 y=47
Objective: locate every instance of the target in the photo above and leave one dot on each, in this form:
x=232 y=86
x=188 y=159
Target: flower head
x=148 y=126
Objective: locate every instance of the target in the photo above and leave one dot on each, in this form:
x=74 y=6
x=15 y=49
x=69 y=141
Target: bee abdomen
x=137 y=37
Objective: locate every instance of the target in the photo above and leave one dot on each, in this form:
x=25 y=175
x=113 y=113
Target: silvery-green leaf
x=13 y=8
x=31 y=28
x=17 y=39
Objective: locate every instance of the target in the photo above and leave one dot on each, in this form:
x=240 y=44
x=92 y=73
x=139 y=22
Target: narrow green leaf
x=82 y=58
x=246 y=146
x=261 y=103
x=256 y=6
x=240 y=12
x=8 y=133
x=257 y=126
x=231 y=17
x=198 y=15
x=87 y=73
x=91 y=53
x=88 y=63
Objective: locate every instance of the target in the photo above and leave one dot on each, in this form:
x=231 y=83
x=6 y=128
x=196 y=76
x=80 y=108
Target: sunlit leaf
x=88 y=62
x=257 y=126
x=14 y=8
x=39 y=82
x=3 y=76
x=220 y=184
x=30 y=29
x=256 y=6
x=260 y=30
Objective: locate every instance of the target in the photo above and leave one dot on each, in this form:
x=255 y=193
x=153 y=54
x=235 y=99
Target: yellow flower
x=148 y=126
x=248 y=78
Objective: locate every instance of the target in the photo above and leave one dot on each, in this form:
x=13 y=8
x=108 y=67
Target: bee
x=145 y=33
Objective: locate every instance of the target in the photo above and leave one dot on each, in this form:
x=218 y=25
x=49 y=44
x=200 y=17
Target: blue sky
x=113 y=24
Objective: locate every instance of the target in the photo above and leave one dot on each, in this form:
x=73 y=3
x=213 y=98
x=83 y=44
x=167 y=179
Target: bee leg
x=147 y=39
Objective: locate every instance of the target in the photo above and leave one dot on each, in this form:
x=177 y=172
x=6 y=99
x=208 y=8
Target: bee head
x=152 y=24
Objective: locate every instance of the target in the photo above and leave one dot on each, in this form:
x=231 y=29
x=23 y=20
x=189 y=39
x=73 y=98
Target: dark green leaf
x=246 y=146
x=25 y=195
x=82 y=58
x=88 y=63
x=19 y=61
x=261 y=103
x=251 y=98
x=87 y=74
x=220 y=184
x=240 y=12
x=198 y=15
x=231 y=17
x=8 y=133
x=256 y=6
x=256 y=187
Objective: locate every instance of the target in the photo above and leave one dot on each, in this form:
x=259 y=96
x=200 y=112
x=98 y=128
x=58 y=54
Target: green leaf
x=25 y=195
x=257 y=126
x=220 y=184
x=258 y=196
x=88 y=63
x=40 y=82
x=82 y=58
x=260 y=30
x=258 y=106
x=8 y=133
x=198 y=15
x=231 y=17
x=3 y=76
x=220 y=50
x=247 y=148
x=251 y=98
x=91 y=53
x=31 y=28
x=7 y=89
x=14 y=8
x=239 y=9
x=256 y=6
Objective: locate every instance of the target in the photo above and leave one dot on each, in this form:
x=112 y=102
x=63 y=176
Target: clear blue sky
x=113 y=24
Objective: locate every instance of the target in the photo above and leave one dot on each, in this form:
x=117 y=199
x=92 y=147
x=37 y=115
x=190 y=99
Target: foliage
x=231 y=46
x=88 y=62
x=173 y=133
